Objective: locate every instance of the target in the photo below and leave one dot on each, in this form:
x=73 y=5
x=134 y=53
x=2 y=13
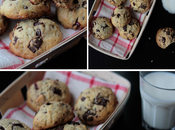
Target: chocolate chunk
x=2 y=128
x=35 y=44
x=57 y=91
x=104 y=26
x=100 y=100
x=38 y=32
x=25 y=7
x=118 y=15
x=48 y=103
x=87 y=114
x=142 y=6
x=125 y=28
x=19 y=125
x=19 y=28
x=38 y=23
x=168 y=32
x=131 y=23
x=83 y=98
x=163 y=39
x=83 y=4
x=97 y=30
x=36 y=86
x=15 y=40
x=134 y=4
x=77 y=24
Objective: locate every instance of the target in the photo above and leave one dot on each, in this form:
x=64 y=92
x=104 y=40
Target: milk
x=158 y=105
x=169 y=5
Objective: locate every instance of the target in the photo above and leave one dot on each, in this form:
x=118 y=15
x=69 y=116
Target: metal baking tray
x=12 y=96
x=145 y=21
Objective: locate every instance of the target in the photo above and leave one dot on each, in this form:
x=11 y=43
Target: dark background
x=131 y=116
x=147 y=54
x=74 y=58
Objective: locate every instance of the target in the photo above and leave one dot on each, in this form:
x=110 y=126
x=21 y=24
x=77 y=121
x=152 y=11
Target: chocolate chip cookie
x=75 y=17
x=95 y=105
x=47 y=90
x=32 y=37
x=11 y=124
x=63 y=3
x=116 y=2
x=24 y=9
x=70 y=126
x=102 y=28
x=131 y=30
x=140 y=6
x=165 y=36
x=121 y=16
x=3 y=24
x=52 y=114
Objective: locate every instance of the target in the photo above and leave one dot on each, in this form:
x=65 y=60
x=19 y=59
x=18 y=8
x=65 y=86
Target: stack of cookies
x=35 y=35
x=51 y=100
x=128 y=26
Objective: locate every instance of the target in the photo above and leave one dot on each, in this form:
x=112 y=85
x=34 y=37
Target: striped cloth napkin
x=10 y=61
x=115 y=44
x=76 y=82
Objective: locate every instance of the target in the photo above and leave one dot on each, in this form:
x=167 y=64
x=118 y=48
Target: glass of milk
x=157 y=91
x=169 y=5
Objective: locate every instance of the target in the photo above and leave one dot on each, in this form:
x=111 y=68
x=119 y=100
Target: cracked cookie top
x=25 y=9
x=165 y=36
x=47 y=90
x=72 y=125
x=32 y=37
x=131 y=30
x=11 y=124
x=140 y=6
x=102 y=28
x=95 y=105
x=116 y=2
x=120 y=16
x=52 y=114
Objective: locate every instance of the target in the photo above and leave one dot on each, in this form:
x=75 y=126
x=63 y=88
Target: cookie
x=11 y=124
x=95 y=105
x=52 y=114
x=47 y=90
x=102 y=28
x=32 y=37
x=75 y=17
x=24 y=9
x=70 y=126
x=140 y=6
x=116 y=2
x=121 y=16
x=3 y=24
x=63 y=3
x=165 y=36
x=131 y=30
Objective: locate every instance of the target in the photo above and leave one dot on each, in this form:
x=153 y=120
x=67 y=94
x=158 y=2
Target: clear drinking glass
x=157 y=91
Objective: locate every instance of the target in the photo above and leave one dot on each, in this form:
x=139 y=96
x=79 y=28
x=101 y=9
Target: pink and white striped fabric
x=115 y=44
x=9 y=60
x=77 y=82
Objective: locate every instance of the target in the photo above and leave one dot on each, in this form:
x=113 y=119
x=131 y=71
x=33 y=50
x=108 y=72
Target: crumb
x=151 y=61
x=149 y=38
x=172 y=51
